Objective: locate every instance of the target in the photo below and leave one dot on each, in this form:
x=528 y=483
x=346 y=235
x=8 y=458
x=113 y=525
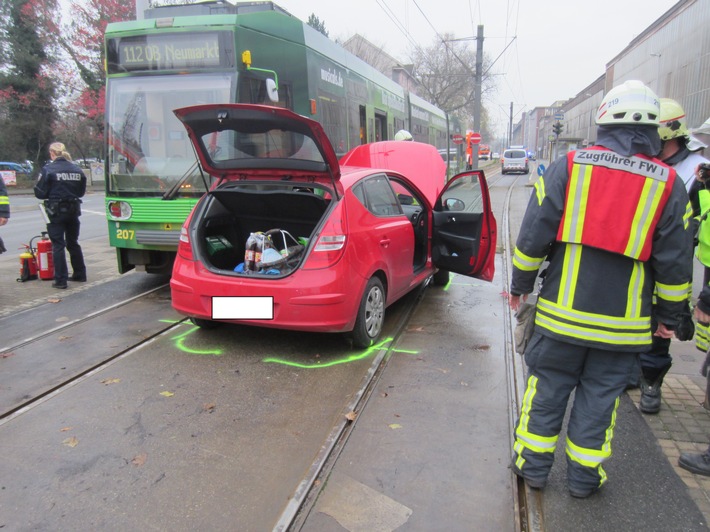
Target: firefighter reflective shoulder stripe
x=614 y=202
x=540 y=190
x=703 y=250
x=526 y=263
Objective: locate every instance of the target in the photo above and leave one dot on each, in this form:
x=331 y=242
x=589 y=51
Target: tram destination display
x=173 y=51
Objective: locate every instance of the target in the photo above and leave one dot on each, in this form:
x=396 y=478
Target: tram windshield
x=148 y=148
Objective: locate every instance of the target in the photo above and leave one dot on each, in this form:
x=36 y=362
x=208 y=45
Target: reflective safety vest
x=614 y=202
x=703 y=249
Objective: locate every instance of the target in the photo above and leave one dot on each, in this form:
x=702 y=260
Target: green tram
x=215 y=52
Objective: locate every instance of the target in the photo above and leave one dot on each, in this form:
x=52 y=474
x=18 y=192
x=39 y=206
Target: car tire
x=441 y=278
x=205 y=324
x=370 y=315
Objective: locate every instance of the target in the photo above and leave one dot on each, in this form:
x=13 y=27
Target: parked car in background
x=514 y=160
x=16 y=167
x=292 y=238
x=496 y=155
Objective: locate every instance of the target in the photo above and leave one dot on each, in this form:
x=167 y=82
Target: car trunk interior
x=232 y=213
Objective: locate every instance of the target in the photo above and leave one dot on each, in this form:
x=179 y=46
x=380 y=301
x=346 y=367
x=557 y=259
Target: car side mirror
x=454 y=204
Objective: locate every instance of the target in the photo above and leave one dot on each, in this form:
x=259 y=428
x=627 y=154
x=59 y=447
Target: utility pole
x=510 y=126
x=478 y=92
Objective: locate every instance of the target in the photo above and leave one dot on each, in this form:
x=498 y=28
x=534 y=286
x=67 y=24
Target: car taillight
x=330 y=246
x=184 y=246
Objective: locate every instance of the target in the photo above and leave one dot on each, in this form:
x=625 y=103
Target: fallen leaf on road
x=62 y=338
x=54 y=300
x=139 y=459
x=8 y=354
x=395 y=426
x=167 y=394
x=71 y=442
x=65 y=429
x=110 y=381
x=209 y=407
x=350 y=416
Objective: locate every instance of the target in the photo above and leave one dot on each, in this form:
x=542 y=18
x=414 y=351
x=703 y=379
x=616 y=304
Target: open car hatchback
x=289 y=237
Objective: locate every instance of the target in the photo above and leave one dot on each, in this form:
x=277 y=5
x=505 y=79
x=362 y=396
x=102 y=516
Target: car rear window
x=514 y=154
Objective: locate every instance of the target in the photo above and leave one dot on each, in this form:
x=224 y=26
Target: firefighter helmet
x=403 y=134
x=673 y=124
x=632 y=102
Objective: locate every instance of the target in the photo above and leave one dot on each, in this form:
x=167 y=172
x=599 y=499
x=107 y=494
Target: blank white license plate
x=242 y=308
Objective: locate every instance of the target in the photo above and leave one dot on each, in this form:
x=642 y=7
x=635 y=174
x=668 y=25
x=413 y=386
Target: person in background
x=611 y=222
x=403 y=134
x=4 y=210
x=61 y=184
x=676 y=153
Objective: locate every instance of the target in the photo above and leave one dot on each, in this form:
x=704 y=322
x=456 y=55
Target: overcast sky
x=546 y=50
x=555 y=48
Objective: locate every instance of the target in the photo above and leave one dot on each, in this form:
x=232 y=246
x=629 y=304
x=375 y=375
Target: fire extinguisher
x=45 y=259
x=28 y=265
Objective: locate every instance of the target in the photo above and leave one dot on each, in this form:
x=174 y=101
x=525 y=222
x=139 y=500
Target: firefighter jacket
x=614 y=230
x=4 y=201
x=700 y=199
x=60 y=180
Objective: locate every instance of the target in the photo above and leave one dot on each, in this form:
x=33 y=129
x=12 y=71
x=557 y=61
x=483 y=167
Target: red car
x=289 y=237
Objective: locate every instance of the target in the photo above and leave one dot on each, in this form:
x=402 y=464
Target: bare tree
x=446 y=72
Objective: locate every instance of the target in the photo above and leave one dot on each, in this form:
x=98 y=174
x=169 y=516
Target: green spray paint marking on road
x=180 y=342
x=336 y=362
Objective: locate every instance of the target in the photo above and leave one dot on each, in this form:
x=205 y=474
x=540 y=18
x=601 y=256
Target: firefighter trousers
x=555 y=370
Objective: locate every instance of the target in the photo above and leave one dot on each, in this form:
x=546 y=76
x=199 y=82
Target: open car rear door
x=464 y=229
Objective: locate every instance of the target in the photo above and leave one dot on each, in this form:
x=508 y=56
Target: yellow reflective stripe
x=594 y=457
x=634 y=296
x=688 y=215
x=593 y=327
x=540 y=190
x=526 y=263
x=570 y=273
x=4 y=200
x=702 y=336
x=672 y=292
x=524 y=438
x=576 y=203
x=643 y=217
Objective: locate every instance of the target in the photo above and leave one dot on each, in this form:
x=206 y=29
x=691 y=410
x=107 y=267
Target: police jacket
x=60 y=180
x=4 y=201
x=598 y=288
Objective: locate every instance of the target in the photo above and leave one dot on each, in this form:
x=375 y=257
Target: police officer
x=610 y=221
x=676 y=152
x=61 y=184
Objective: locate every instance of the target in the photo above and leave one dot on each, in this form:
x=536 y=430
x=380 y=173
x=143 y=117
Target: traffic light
x=557 y=128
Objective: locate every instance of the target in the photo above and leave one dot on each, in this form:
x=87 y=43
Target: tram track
x=39 y=391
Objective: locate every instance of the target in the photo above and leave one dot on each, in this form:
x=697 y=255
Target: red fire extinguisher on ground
x=44 y=258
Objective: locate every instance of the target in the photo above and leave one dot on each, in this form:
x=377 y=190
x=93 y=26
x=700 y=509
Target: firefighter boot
x=698 y=463
x=651 y=381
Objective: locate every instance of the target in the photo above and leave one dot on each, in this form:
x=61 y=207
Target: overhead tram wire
x=390 y=14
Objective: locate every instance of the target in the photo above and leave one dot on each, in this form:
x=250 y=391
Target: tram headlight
x=119 y=210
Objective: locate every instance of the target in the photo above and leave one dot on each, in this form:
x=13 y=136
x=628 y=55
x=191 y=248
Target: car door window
x=379 y=197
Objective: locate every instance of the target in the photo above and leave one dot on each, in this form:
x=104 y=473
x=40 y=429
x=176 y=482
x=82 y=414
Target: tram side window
x=253 y=90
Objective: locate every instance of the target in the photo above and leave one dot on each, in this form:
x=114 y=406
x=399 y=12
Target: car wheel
x=205 y=324
x=370 y=315
x=440 y=278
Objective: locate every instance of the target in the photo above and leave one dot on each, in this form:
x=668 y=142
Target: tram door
x=363 y=125
x=380 y=126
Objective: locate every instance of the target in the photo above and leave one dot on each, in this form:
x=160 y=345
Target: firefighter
x=403 y=134
x=676 y=152
x=610 y=221
x=699 y=463
x=61 y=184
